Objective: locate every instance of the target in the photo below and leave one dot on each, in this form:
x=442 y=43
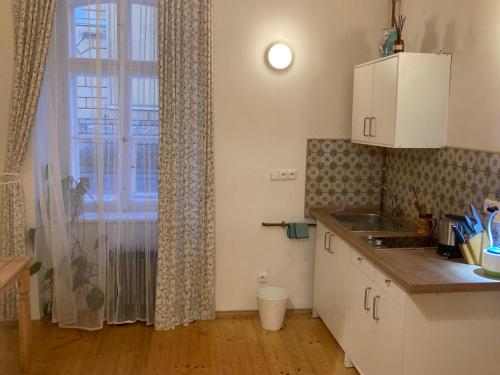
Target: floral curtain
x=33 y=21
x=186 y=246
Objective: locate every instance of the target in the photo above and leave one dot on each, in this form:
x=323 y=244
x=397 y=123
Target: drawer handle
x=324 y=242
x=360 y=259
x=375 y=315
x=388 y=282
x=367 y=293
x=330 y=243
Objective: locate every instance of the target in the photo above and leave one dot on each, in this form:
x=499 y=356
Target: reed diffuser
x=399 y=43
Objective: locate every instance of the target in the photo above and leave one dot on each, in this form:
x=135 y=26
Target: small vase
x=398 y=46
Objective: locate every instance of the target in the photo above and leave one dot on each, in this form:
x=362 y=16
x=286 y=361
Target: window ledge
x=93 y=217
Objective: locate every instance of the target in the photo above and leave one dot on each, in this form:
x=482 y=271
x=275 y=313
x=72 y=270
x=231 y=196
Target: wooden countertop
x=418 y=271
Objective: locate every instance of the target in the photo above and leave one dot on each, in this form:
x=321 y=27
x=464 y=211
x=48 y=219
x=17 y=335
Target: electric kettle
x=447 y=242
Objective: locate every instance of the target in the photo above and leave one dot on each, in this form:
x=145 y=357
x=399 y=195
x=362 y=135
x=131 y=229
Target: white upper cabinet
x=402 y=101
x=362 y=102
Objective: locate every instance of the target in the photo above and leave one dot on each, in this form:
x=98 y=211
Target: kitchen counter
x=418 y=271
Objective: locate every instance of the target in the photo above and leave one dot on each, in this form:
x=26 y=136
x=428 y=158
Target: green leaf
x=30 y=236
x=82 y=186
x=49 y=274
x=95 y=299
x=80 y=279
x=35 y=267
x=85 y=181
x=80 y=262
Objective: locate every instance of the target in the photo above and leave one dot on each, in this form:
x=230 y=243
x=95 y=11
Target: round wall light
x=279 y=56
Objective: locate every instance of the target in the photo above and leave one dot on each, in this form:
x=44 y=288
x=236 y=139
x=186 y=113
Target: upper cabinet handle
x=364 y=127
x=371 y=123
x=375 y=315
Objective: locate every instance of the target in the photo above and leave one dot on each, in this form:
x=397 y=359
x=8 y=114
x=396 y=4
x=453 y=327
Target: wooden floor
x=227 y=345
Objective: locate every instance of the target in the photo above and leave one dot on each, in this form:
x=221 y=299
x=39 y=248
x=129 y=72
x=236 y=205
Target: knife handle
x=458 y=234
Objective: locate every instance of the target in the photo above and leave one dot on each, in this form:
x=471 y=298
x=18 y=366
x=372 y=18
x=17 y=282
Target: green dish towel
x=297 y=231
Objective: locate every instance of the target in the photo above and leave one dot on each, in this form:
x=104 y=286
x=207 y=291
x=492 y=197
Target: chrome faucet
x=396 y=210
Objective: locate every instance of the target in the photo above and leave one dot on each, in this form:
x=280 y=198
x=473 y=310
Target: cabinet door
x=362 y=102
x=359 y=326
x=388 y=330
x=338 y=281
x=321 y=287
x=382 y=127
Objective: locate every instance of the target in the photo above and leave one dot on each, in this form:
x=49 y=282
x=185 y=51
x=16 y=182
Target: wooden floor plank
x=229 y=345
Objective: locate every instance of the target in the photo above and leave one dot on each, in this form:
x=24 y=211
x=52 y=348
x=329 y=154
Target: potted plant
x=82 y=267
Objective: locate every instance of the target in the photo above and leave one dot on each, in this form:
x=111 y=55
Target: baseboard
x=225 y=314
x=218 y=314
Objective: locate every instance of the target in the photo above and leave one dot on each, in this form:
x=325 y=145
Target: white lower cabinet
x=387 y=335
x=386 y=331
x=330 y=281
x=359 y=326
x=321 y=282
x=375 y=322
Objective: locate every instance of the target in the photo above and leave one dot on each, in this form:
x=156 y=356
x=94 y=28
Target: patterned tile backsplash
x=339 y=172
x=447 y=180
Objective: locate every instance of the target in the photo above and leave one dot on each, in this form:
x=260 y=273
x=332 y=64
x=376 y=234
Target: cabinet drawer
x=363 y=264
x=387 y=284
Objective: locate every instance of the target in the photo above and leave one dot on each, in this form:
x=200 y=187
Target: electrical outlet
x=275 y=175
x=491 y=203
x=263 y=277
x=292 y=174
x=283 y=174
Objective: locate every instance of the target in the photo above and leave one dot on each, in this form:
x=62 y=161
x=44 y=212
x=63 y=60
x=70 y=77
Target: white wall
x=262 y=121
x=471 y=31
x=6 y=73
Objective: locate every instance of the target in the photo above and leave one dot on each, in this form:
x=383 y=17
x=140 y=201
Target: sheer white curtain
x=96 y=147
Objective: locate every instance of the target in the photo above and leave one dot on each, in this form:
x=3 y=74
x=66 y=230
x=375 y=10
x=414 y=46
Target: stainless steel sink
x=400 y=243
x=368 y=222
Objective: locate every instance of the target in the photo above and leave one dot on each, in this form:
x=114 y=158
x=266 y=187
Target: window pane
x=96 y=104
x=142 y=32
x=144 y=106
x=146 y=169
x=89 y=158
x=94 y=31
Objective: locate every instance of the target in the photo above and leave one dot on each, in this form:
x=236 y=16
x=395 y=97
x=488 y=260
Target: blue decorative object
x=385 y=47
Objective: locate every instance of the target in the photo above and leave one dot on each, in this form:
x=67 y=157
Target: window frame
x=124 y=69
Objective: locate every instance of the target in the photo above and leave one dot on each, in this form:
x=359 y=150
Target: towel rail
x=283 y=224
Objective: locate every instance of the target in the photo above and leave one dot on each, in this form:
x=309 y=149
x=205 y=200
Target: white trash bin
x=272 y=306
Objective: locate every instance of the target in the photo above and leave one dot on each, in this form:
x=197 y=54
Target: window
x=114 y=100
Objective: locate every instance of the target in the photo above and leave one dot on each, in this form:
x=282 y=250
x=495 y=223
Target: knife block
x=473 y=249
